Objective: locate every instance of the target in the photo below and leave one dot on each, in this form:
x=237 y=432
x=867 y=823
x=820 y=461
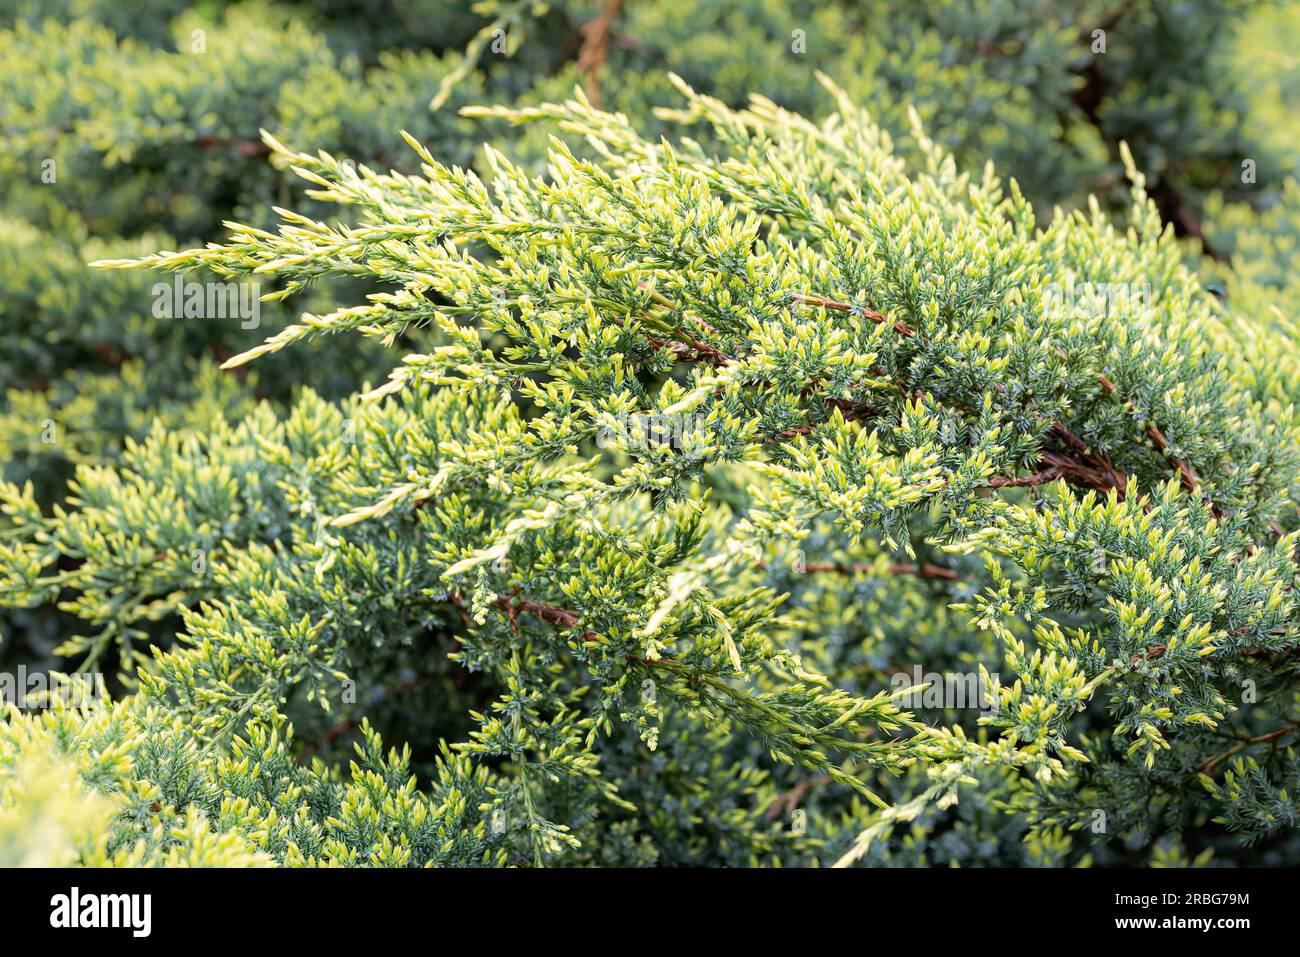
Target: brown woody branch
x=923 y=570
x=245 y=148
x=595 y=49
x=789 y=801
x=1208 y=766
x=1049 y=474
x=834 y=306
x=514 y=606
x=1096 y=469
x=693 y=350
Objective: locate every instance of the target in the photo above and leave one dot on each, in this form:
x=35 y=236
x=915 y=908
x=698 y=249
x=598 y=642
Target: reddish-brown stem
x=1208 y=766
x=595 y=49
x=924 y=570
x=1113 y=479
x=1049 y=474
x=834 y=306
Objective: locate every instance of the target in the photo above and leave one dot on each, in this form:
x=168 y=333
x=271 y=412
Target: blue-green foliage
x=628 y=485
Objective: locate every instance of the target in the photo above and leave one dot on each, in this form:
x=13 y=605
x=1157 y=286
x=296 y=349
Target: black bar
x=369 y=907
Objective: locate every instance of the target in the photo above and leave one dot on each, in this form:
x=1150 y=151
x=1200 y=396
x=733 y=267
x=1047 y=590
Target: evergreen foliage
x=635 y=489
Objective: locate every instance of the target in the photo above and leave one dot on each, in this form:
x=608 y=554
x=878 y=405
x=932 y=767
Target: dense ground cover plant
x=692 y=440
